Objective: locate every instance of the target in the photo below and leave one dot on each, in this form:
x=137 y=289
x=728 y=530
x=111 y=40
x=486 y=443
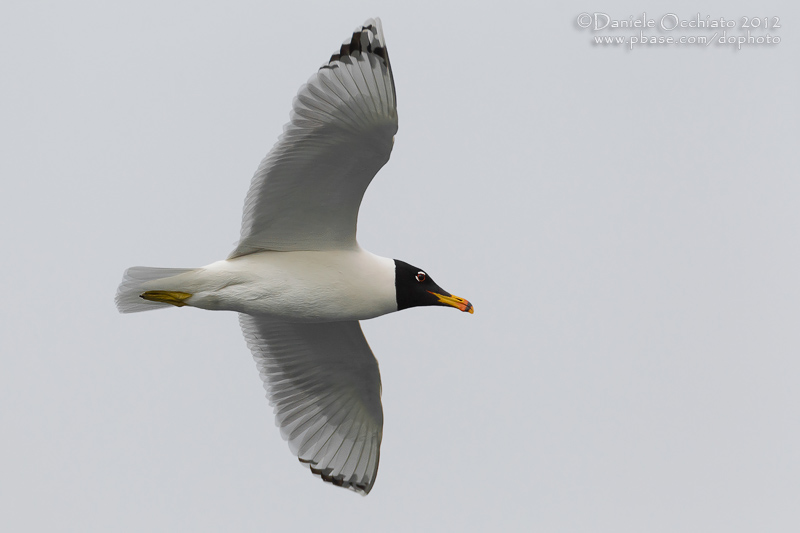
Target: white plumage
x=298 y=277
x=309 y=286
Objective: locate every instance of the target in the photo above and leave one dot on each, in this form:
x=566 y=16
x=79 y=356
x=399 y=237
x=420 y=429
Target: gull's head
x=414 y=287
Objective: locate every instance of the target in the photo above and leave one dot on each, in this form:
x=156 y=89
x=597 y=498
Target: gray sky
x=625 y=222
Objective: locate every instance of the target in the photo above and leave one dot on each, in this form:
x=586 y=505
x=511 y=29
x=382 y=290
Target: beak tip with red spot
x=454 y=301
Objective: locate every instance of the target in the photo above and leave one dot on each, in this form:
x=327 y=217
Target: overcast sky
x=624 y=220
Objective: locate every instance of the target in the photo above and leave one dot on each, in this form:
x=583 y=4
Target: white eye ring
x=421 y=276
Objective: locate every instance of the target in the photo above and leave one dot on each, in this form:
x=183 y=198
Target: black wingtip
x=357 y=44
x=338 y=481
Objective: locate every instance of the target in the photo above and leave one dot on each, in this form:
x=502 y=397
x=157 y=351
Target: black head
x=414 y=287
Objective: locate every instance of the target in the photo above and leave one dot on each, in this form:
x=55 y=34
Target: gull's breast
x=323 y=286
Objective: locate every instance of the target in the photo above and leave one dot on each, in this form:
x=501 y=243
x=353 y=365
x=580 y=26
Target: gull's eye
x=421 y=276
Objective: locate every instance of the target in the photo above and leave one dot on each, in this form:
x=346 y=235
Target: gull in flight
x=298 y=278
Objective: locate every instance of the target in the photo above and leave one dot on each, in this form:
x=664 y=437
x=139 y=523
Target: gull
x=298 y=278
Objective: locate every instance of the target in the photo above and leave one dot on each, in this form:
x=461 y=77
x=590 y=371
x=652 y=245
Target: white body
x=293 y=286
x=297 y=277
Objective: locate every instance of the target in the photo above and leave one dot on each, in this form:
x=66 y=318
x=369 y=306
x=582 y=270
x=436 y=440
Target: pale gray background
x=626 y=224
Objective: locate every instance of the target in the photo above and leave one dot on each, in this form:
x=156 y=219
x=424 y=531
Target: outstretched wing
x=306 y=193
x=324 y=384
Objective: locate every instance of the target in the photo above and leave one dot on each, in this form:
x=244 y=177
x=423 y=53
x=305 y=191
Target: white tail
x=128 y=300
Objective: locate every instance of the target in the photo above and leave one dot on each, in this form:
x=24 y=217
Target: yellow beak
x=455 y=301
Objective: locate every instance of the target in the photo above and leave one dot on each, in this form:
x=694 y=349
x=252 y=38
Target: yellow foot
x=168 y=297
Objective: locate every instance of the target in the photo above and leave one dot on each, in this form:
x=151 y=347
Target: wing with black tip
x=325 y=387
x=306 y=193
